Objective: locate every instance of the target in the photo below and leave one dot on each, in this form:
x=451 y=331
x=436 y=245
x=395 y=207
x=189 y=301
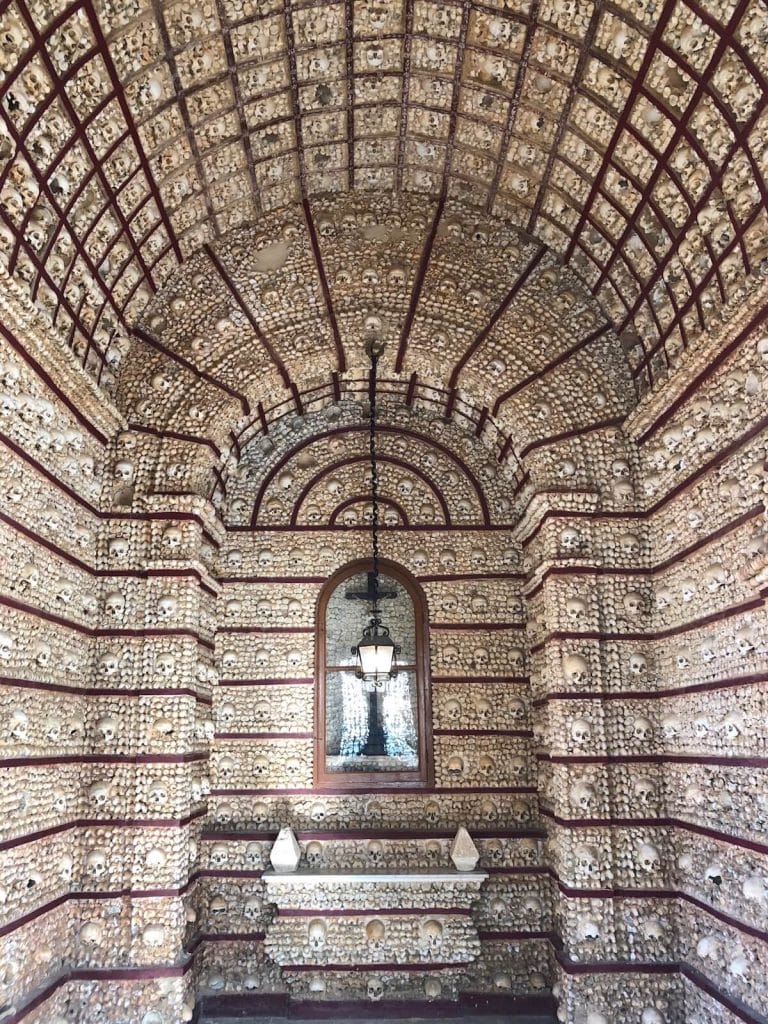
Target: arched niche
x=367 y=738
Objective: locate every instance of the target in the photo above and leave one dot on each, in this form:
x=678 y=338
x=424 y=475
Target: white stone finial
x=286 y=853
x=463 y=851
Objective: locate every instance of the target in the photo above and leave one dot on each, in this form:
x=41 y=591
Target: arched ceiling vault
x=481 y=326
x=629 y=138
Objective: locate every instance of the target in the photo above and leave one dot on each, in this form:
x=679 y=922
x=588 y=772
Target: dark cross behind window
x=376 y=743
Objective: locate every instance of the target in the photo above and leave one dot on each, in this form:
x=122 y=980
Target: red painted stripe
x=418 y=285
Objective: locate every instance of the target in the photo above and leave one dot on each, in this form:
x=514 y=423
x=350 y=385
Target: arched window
x=372 y=735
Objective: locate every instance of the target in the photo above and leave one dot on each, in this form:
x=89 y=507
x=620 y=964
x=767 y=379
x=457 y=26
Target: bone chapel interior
x=551 y=217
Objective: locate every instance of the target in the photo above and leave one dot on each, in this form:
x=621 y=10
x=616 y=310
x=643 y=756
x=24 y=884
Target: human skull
x=98 y=794
x=114 y=605
x=315 y=854
x=172 y=538
x=28 y=578
x=124 y=470
x=576 y=608
x=623 y=493
x=91 y=933
x=633 y=602
x=587 y=928
x=52 y=729
x=570 y=540
x=118 y=548
x=477 y=556
x=18 y=725
x=431 y=934
x=96 y=863
x=644 y=790
x=227 y=713
x=586 y=859
x=375 y=933
x=252 y=908
x=515 y=707
x=755 y=888
x=316 y=934
x=450 y=655
x=648 y=857
x=375 y=989
x=642 y=729
x=581 y=731
x=481 y=657
x=583 y=795
x=419 y=558
x=162 y=727
x=448 y=558
x=6 y=645
x=638 y=663
x=745 y=641
x=733 y=726
x=575 y=669
x=106 y=728
x=41 y=654
x=158 y=795
x=109 y=665
x=716 y=577
x=714 y=873
x=653 y=928
x=166 y=607
x=630 y=545
x=165 y=664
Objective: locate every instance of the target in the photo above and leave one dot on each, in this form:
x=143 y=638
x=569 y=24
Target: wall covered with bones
x=597 y=650
x=553 y=215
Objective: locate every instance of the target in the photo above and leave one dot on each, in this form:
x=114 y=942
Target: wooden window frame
x=421 y=778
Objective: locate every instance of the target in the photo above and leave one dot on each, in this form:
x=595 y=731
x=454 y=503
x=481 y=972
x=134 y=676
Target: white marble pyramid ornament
x=286 y=852
x=463 y=851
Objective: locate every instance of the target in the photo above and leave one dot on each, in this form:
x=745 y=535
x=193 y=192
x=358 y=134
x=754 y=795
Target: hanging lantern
x=376 y=653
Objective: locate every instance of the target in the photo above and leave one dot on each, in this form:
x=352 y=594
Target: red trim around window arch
x=423 y=776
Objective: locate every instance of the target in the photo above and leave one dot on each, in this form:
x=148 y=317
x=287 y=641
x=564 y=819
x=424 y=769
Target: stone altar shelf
x=372 y=918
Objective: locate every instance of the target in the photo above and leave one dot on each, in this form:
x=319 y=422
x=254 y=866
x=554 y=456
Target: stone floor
x=470 y=1018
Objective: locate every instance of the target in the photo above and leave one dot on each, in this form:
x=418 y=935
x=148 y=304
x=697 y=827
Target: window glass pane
x=370 y=728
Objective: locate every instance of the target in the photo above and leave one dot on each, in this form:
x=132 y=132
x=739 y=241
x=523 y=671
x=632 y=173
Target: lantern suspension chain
x=374 y=475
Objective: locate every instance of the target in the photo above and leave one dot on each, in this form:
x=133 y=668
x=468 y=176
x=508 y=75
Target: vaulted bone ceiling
x=266 y=328
x=630 y=138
